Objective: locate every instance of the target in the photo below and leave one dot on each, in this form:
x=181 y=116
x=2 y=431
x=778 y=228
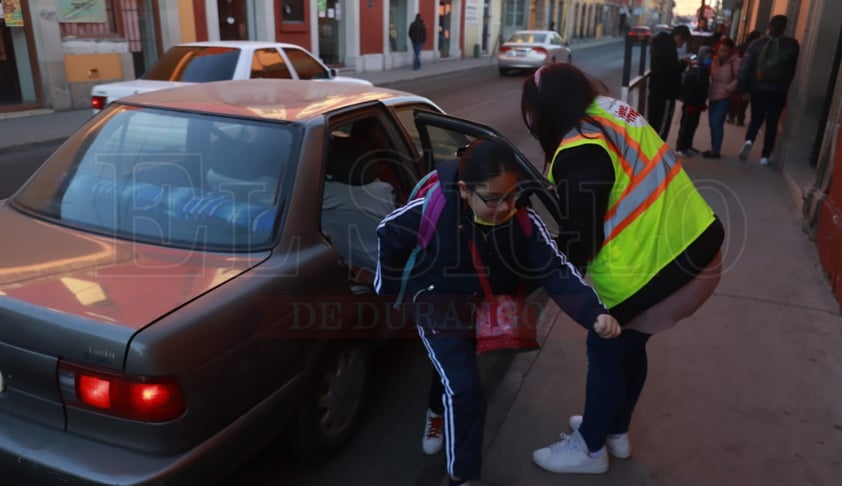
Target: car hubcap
x=342 y=391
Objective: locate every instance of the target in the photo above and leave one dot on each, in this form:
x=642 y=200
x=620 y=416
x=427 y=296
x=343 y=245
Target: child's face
x=724 y=52
x=494 y=201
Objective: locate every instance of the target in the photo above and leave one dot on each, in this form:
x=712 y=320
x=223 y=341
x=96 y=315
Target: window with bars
x=112 y=27
x=515 y=13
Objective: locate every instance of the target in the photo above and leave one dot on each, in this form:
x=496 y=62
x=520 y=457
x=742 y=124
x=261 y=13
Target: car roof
x=239 y=44
x=276 y=99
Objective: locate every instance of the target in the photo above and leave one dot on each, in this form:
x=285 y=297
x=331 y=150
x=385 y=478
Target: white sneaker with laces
x=618 y=445
x=433 y=440
x=764 y=161
x=745 y=150
x=570 y=455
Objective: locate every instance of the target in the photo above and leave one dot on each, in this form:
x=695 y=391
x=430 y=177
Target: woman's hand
x=606 y=326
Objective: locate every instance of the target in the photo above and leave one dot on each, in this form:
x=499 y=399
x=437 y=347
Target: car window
x=556 y=40
x=195 y=64
x=169 y=178
x=268 y=63
x=528 y=37
x=305 y=65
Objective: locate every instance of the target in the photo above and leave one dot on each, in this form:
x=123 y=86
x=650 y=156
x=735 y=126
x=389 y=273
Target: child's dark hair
x=484 y=159
x=727 y=42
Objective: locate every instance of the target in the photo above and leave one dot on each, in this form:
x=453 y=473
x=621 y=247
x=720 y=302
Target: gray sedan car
x=532 y=49
x=188 y=277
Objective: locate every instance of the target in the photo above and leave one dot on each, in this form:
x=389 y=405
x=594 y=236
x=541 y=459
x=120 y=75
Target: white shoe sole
x=590 y=468
x=619 y=448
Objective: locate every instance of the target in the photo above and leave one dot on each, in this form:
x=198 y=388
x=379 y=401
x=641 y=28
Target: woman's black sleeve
x=584 y=176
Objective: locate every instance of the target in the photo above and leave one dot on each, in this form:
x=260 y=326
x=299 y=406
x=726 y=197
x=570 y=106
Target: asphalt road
x=386 y=450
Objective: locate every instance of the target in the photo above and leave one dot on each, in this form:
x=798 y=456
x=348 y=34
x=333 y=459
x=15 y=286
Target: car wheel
x=503 y=71
x=570 y=59
x=333 y=404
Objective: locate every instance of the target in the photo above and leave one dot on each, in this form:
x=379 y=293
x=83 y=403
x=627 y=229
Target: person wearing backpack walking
x=766 y=71
x=636 y=222
x=482 y=235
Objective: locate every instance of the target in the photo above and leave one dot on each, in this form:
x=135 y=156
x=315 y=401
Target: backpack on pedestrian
x=771 y=63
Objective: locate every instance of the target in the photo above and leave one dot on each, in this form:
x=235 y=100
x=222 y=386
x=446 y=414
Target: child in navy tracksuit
x=481 y=191
x=694 y=96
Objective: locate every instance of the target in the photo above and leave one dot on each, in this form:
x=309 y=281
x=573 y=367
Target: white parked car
x=202 y=62
x=531 y=49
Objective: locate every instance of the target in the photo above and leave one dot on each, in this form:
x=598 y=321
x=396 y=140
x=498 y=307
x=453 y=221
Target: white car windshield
x=169 y=178
x=195 y=64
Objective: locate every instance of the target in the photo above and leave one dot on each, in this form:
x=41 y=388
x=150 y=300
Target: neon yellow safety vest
x=654 y=210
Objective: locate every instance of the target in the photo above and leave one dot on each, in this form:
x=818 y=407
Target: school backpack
x=429 y=187
x=771 y=63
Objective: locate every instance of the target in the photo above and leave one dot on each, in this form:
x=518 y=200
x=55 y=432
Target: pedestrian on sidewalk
x=723 y=85
x=418 y=36
x=481 y=221
x=637 y=224
x=694 y=97
x=766 y=72
x=665 y=77
x=738 y=103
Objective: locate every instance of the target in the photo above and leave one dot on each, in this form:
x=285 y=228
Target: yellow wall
x=185 y=21
x=81 y=68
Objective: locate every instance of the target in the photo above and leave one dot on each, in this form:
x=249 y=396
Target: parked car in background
x=640 y=33
x=662 y=28
x=531 y=49
x=188 y=277
x=202 y=62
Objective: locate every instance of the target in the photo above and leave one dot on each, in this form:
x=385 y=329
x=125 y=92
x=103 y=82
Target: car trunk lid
x=67 y=294
x=114 y=91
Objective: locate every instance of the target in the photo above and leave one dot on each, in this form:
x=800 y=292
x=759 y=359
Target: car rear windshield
x=195 y=64
x=528 y=37
x=169 y=178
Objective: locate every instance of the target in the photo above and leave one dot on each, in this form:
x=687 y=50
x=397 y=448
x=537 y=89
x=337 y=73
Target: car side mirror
x=332 y=72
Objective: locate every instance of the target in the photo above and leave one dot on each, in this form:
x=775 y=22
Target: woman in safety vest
x=637 y=224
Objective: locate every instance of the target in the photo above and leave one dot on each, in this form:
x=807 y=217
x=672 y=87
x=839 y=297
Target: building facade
x=53 y=51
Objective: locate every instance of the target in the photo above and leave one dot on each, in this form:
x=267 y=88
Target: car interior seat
x=354 y=202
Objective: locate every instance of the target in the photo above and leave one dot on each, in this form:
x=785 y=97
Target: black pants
x=617 y=370
x=766 y=106
x=687 y=127
x=460 y=398
x=659 y=113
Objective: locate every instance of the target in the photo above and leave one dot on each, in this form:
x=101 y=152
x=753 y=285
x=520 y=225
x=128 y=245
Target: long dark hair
x=555 y=100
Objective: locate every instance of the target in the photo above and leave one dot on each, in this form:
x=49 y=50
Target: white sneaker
x=570 y=455
x=764 y=161
x=433 y=439
x=745 y=150
x=618 y=445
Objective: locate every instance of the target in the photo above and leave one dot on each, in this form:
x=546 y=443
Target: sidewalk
x=745 y=392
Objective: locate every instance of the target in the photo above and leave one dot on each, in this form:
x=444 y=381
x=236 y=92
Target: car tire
x=333 y=403
x=503 y=71
x=570 y=59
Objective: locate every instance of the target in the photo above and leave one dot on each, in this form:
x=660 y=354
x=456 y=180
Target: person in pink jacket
x=723 y=85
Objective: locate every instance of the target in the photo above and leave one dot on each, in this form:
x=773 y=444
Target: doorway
x=445 y=8
x=233 y=19
x=18 y=78
x=331 y=31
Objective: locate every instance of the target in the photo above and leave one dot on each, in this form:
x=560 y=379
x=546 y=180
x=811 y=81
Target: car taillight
x=505 y=49
x=144 y=398
x=539 y=50
x=98 y=102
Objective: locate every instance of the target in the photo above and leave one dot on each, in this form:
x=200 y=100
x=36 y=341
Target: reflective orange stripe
x=644 y=205
x=637 y=180
x=621 y=131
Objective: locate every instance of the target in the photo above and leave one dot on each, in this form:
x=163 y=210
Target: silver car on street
x=532 y=49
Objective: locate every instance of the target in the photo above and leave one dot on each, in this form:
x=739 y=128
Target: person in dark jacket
x=418 y=36
x=766 y=71
x=636 y=222
x=665 y=77
x=694 y=94
x=481 y=214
